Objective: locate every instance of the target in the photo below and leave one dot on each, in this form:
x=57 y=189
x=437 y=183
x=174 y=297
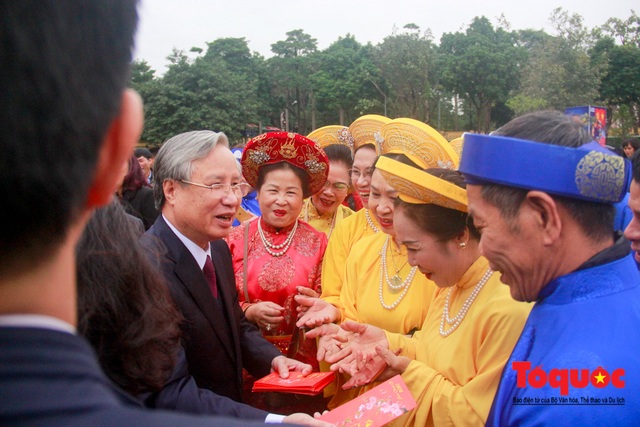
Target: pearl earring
x=463 y=245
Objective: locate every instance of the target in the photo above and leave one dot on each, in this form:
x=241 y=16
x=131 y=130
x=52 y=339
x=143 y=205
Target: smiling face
x=201 y=214
x=381 y=202
x=329 y=198
x=363 y=161
x=280 y=198
x=632 y=232
x=512 y=247
x=435 y=259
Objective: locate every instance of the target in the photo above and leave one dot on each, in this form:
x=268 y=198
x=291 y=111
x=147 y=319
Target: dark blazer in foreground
x=50 y=378
x=218 y=339
x=181 y=393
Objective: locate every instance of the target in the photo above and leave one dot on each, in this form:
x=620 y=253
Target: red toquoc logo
x=561 y=378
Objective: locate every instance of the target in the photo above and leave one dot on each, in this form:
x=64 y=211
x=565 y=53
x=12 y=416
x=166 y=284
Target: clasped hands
x=359 y=350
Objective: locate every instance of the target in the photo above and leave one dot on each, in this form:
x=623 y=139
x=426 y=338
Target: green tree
x=141 y=73
x=620 y=86
x=289 y=70
x=558 y=72
x=482 y=65
x=205 y=93
x=144 y=81
x=341 y=81
x=405 y=61
x=571 y=29
x=626 y=32
x=235 y=53
x=555 y=76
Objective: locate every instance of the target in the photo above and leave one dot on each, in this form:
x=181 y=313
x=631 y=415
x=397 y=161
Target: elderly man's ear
x=545 y=215
x=117 y=146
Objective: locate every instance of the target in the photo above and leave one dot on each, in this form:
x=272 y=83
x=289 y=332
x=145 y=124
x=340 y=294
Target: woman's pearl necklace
x=403 y=285
x=269 y=247
x=455 y=322
x=370 y=221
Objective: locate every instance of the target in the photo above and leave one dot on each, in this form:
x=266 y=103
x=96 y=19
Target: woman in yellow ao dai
x=420 y=145
x=380 y=287
x=324 y=209
x=452 y=366
x=346 y=233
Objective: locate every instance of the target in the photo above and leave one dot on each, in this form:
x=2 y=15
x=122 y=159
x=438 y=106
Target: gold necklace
x=396 y=279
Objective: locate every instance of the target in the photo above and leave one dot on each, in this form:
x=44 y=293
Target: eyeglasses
x=338 y=186
x=221 y=190
x=366 y=173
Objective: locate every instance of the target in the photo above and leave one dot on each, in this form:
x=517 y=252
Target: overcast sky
x=165 y=24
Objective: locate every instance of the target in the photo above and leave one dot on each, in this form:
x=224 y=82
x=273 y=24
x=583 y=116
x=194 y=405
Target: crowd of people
x=136 y=288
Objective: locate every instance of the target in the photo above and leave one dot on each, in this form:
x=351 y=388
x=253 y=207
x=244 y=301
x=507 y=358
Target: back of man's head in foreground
x=63 y=68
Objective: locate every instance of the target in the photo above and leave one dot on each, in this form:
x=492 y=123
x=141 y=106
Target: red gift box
x=312 y=384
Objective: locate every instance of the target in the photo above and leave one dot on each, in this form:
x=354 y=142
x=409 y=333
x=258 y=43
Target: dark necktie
x=210 y=275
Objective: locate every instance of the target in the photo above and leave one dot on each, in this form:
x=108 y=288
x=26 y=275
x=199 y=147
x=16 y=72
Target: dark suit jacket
x=218 y=339
x=140 y=203
x=51 y=378
x=181 y=393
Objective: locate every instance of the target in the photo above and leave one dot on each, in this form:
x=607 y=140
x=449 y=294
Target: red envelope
x=312 y=384
x=375 y=408
x=371 y=371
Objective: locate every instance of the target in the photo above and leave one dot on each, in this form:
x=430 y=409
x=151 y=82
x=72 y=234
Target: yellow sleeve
x=403 y=342
x=333 y=265
x=348 y=294
x=451 y=404
x=317 y=280
x=447 y=403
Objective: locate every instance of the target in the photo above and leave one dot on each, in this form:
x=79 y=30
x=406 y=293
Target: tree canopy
x=475 y=79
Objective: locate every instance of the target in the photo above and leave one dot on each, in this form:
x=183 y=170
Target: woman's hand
x=361 y=346
x=265 y=314
x=328 y=343
x=314 y=312
x=396 y=364
x=307 y=292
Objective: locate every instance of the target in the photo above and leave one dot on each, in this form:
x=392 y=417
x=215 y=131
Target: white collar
x=36 y=321
x=199 y=254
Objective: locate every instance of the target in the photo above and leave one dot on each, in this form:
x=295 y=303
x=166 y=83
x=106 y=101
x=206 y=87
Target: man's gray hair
x=175 y=158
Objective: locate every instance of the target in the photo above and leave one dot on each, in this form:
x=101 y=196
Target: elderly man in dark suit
x=198 y=188
x=68 y=122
